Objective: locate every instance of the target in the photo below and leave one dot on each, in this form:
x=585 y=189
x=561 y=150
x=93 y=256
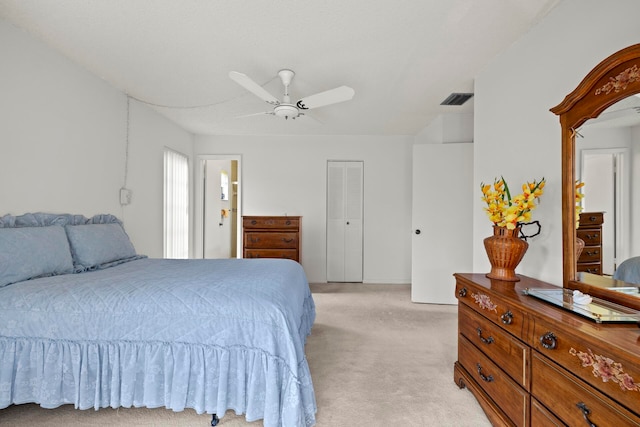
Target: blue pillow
x=29 y=252
x=95 y=244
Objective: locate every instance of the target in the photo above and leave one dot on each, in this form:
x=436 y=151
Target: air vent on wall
x=457 y=99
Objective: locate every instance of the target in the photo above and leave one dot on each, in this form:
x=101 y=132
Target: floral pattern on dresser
x=606 y=369
x=485 y=302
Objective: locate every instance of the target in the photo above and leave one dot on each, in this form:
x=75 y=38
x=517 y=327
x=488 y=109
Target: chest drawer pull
x=287 y=240
x=507 y=318
x=585 y=413
x=462 y=292
x=483 y=339
x=549 y=341
x=486 y=378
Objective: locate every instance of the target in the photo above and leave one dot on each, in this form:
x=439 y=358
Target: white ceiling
x=402 y=57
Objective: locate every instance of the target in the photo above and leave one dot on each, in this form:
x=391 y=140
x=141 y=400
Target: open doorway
x=605 y=173
x=217 y=228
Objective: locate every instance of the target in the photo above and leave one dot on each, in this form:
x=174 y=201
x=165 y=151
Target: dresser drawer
x=270 y=222
x=509 y=353
x=541 y=417
x=593 y=268
x=591 y=219
x=612 y=374
x=276 y=240
x=271 y=253
x=507 y=395
x=573 y=401
x=495 y=309
x=591 y=237
x=590 y=254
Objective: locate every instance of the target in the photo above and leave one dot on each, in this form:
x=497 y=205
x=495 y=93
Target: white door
x=606 y=181
x=441 y=219
x=213 y=214
x=217 y=202
x=344 y=221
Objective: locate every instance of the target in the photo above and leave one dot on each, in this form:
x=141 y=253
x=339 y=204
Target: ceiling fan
x=286 y=108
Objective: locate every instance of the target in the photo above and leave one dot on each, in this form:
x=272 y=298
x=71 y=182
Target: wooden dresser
x=590 y=230
x=271 y=237
x=530 y=363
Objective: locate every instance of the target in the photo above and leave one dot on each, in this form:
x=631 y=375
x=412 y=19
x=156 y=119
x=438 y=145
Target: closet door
x=344 y=221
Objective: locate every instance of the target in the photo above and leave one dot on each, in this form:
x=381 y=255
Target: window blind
x=176 y=205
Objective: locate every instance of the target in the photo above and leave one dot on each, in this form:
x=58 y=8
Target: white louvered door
x=345 y=181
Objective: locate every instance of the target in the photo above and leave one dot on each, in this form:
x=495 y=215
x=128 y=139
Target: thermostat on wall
x=125 y=196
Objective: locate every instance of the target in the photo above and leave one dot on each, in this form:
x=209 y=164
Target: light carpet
x=376 y=359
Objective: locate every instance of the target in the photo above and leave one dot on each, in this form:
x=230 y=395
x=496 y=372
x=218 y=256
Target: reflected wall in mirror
x=613 y=80
x=605 y=147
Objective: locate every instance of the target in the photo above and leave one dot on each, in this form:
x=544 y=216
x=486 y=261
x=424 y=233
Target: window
x=176 y=205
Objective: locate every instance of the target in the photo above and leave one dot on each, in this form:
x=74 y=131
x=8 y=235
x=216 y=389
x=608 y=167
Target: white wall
x=287 y=175
x=515 y=133
x=634 y=249
x=63 y=145
x=63 y=142
x=149 y=134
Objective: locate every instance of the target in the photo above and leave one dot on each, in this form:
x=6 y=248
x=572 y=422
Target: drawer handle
x=592 y=252
x=507 y=318
x=483 y=339
x=585 y=413
x=462 y=292
x=549 y=341
x=485 y=378
x=254 y=222
x=592 y=218
x=287 y=240
x=592 y=236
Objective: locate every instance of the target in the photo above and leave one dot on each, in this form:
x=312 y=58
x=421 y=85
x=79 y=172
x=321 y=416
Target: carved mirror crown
x=613 y=79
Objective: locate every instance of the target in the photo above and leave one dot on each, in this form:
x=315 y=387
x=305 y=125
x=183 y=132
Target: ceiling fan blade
x=253 y=87
x=254 y=114
x=332 y=96
x=307 y=118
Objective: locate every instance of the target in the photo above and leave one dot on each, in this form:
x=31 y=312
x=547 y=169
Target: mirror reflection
x=605 y=96
x=607 y=147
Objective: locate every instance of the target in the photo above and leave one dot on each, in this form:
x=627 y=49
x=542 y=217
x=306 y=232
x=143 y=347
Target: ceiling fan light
x=286 y=111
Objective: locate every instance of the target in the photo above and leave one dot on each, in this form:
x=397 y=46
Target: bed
x=629 y=271
x=84 y=320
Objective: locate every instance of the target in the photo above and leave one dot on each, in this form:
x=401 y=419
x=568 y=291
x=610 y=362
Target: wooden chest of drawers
x=530 y=363
x=590 y=230
x=271 y=237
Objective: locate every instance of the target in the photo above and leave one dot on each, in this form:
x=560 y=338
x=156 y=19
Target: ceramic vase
x=505 y=251
x=579 y=247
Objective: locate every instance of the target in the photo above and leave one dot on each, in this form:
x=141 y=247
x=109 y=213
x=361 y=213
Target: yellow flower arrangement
x=505 y=211
x=579 y=197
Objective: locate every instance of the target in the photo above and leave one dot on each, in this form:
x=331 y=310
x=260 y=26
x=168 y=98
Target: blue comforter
x=210 y=335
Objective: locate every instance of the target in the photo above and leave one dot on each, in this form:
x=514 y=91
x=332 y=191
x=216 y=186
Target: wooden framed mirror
x=615 y=78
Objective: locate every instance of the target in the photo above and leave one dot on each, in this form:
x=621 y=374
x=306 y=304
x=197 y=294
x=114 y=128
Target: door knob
x=418 y=231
